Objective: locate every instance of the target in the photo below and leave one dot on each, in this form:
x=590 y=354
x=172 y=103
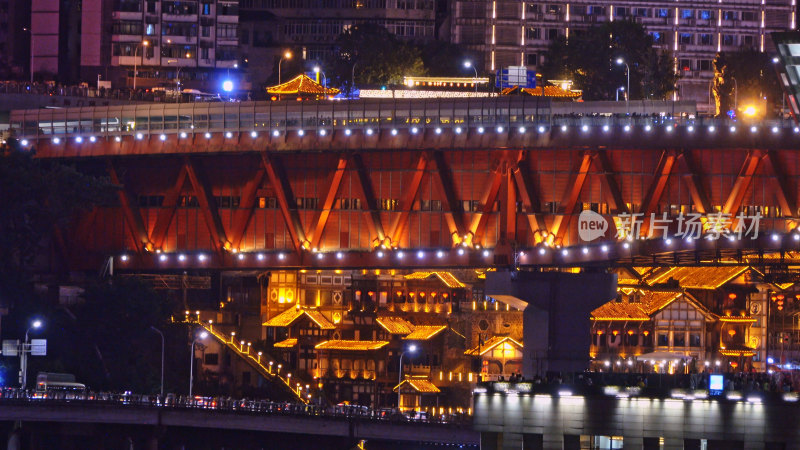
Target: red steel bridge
x=417 y=183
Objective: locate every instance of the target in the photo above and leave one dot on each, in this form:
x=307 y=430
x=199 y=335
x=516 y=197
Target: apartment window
x=150 y=30
x=728 y=39
x=679 y=339
x=228 y=9
x=747 y=40
x=205 y=9
x=531 y=59
x=641 y=12
x=730 y=15
x=552 y=34
x=226 y=53
x=621 y=12
x=706 y=39
x=179 y=8
x=685 y=64
x=687 y=13
x=553 y=9
x=211 y=359
x=663 y=339
x=226 y=31
x=705 y=14
x=662 y=12
x=658 y=37
x=532 y=8
x=532 y=33
x=595 y=11
x=128 y=6
x=704 y=64
x=127 y=27
x=694 y=339
x=685 y=38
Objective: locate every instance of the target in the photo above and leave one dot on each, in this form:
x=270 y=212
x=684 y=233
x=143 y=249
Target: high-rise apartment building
x=513 y=33
x=310 y=27
x=165 y=40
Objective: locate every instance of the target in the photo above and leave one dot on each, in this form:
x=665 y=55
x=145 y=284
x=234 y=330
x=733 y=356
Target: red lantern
x=615 y=332
x=734 y=364
x=630 y=332
x=732 y=296
x=781 y=297
x=732 y=333
x=646 y=333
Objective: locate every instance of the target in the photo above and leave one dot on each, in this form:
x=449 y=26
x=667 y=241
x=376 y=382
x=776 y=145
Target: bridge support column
x=632 y=443
x=491 y=440
x=556 y=305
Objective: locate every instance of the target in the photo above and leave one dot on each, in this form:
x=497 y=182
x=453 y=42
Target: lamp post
x=286 y=55
x=621 y=88
x=620 y=62
x=163 y=341
x=136 y=61
x=36 y=324
x=353 y=78
x=411 y=349
x=30 y=30
x=201 y=336
x=324 y=78
x=469 y=64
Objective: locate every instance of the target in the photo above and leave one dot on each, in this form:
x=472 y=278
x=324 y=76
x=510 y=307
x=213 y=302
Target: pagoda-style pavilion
x=301 y=87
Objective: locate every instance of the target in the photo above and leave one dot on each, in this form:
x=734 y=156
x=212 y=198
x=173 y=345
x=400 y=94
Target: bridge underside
x=433 y=208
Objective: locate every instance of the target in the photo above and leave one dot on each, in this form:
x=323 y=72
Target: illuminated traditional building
x=700 y=313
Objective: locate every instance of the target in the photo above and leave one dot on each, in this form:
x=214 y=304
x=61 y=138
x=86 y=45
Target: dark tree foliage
x=443 y=59
x=379 y=57
x=37 y=197
x=753 y=73
x=589 y=57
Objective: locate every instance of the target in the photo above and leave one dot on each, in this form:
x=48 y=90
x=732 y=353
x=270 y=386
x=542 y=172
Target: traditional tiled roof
x=421 y=385
x=288 y=343
x=301 y=84
x=446 y=277
x=737 y=350
x=493 y=342
x=699 y=277
x=351 y=345
x=649 y=302
x=425 y=332
x=395 y=325
x=549 y=91
x=288 y=317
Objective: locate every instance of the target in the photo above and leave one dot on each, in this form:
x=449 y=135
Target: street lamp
x=30 y=30
x=35 y=325
x=621 y=88
x=201 y=336
x=324 y=78
x=411 y=349
x=162 y=357
x=286 y=55
x=469 y=64
x=135 y=61
x=620 y=62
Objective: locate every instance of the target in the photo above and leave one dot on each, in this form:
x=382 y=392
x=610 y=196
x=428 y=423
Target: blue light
x=227 y=85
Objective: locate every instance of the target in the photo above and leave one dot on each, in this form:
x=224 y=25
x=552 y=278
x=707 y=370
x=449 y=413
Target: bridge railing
x=11 y=396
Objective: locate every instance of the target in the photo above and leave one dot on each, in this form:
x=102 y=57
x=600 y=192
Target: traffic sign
x=10 y=347
x=516 y=76
x=38 y=347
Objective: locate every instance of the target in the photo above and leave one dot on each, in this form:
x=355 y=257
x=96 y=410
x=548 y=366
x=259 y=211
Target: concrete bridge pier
x=556 y=308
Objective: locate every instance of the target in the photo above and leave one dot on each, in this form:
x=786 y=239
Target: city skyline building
x=309 y=28
x=519 y=33
x=168 y=44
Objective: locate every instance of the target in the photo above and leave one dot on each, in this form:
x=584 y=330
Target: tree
x=39 y=196
x=379 y=57
x=589 y=57
x=752 y=73
x=442 y=59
